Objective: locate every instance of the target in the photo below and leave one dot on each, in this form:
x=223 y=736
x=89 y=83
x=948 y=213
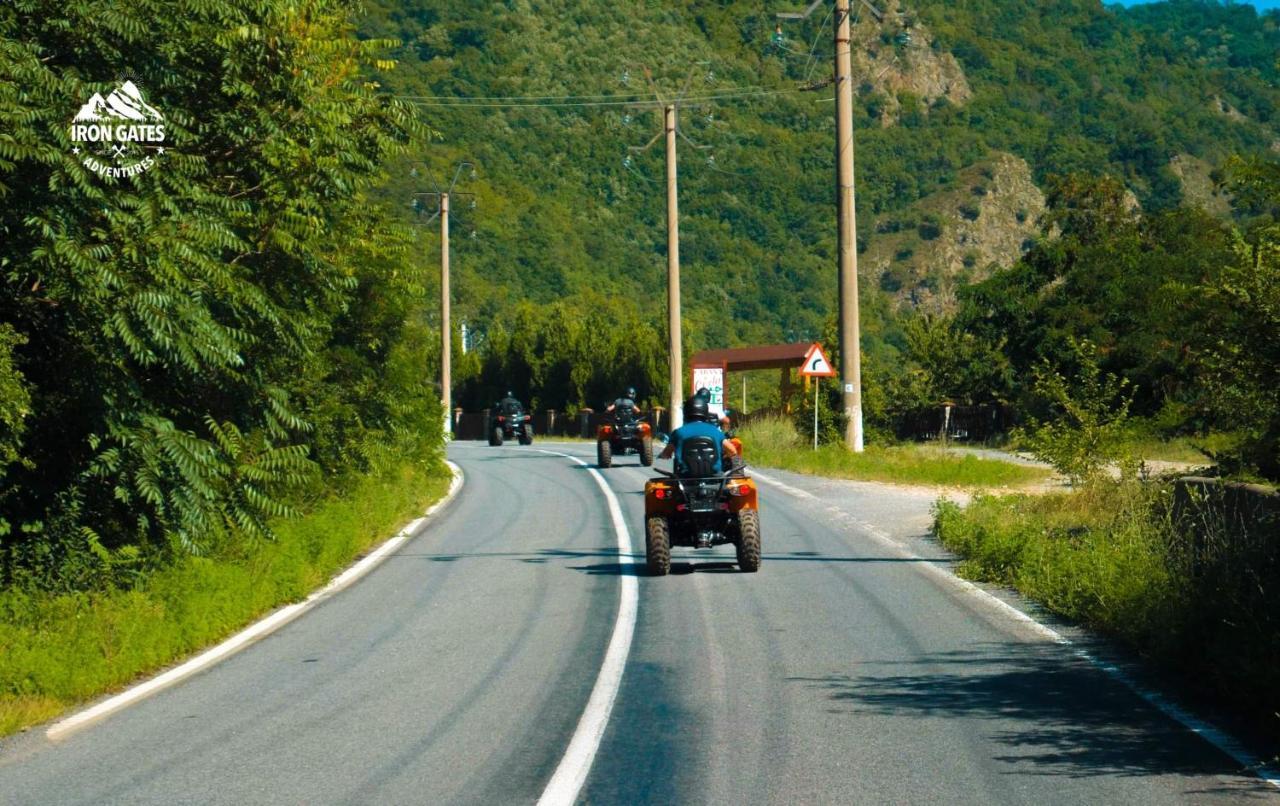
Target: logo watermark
x=119 y=135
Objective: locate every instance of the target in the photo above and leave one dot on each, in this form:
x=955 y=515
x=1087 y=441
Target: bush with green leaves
x=1087 y=416
x=182 y=349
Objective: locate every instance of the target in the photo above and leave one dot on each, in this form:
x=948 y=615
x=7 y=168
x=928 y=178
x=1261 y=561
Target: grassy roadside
x=774 y=443
x=57 y=651
x=1110 y=556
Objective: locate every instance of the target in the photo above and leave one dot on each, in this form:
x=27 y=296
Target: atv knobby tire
x=646 y=452
x=604 y=453
x=749 y=540
x=526 y=435
x=495 y=436
x=657 y=545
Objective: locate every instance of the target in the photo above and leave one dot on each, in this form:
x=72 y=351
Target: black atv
x=511 y=425
x=623 y=432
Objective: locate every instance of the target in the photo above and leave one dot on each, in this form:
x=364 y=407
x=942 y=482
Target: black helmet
x=631 y=392
x=703 y=393
x=695 y=409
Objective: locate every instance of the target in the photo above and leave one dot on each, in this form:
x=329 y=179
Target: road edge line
x=259 y=629
x=571 y=773
x=1220 y=739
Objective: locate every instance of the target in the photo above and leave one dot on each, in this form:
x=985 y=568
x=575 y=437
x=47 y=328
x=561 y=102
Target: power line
x=629 y=100
x=568 y=97
x=813 y=49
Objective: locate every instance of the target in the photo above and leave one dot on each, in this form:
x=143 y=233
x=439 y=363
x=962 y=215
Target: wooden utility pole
x=446 y=332
x=850 y=349
x=673 y=273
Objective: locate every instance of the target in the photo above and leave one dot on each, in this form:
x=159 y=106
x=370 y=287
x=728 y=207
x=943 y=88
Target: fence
x=959 y=423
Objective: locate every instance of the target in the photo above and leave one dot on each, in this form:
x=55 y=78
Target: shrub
x=1088 y=418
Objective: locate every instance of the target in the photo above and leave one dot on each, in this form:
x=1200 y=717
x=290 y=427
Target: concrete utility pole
x=671 y=130
x=446 y=332
x=673 y=273
x=850 y=348
x=442 y=197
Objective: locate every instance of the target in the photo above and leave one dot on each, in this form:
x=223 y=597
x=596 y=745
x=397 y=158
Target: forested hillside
x=950 y=95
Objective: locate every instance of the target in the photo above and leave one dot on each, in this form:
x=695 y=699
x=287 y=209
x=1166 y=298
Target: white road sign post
x=816 y=366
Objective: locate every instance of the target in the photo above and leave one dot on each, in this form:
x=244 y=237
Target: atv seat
x=698 y=457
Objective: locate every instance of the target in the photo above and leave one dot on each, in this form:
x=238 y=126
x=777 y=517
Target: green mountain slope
x=944 y=88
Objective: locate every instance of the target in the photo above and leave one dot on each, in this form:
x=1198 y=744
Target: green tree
x=1244 y=381
x=1088 y=415
x=187 y=335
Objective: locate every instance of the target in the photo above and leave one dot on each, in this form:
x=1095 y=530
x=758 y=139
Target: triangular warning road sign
x=816 y=364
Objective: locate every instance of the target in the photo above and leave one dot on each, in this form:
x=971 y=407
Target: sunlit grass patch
x=773 y=442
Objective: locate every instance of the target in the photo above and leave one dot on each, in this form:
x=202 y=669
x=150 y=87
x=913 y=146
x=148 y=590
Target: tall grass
x=60 y=650
x=1111 y=556
x=773 y=442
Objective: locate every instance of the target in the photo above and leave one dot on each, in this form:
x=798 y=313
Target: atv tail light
x=661 y=493
x=500 y=418
x=681 y=507
x=724 y=506
x=737 y=489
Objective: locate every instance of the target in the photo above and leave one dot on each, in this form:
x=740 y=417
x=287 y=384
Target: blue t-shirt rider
x=697 y=416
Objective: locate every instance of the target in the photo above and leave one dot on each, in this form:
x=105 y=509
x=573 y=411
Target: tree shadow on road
x=1055 y=713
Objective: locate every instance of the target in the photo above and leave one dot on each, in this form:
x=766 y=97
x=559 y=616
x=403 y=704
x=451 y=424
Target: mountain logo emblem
x=119 y=135
x=124 y=103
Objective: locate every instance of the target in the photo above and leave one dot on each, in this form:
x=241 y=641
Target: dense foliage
x=549 y=102
x=1181 y=306
x=566 y=205
x=185 y=351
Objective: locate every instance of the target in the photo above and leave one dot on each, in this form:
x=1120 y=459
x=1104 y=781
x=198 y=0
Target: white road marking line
x=571 y=774
x=1218 y=738
x=254 y=631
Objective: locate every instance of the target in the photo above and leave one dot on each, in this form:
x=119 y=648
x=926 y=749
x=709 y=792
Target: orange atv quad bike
x=624 y=432
x=701 y=509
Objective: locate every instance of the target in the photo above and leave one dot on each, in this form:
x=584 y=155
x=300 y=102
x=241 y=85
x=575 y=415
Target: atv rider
x=509 y=405
x=625 y=404
x=698 y=423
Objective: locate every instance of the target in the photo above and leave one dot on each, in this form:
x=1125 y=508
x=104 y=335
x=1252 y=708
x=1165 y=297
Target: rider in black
x=625 y=404
x=509 y=405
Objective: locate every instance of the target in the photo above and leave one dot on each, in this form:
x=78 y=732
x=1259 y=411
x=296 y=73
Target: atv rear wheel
x=604 y=453
x=749 y=540
x=646 y=451
x=657 y=545
x=495 y=436
x=526 y=435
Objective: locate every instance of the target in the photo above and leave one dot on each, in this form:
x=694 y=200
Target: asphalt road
x=458 y=671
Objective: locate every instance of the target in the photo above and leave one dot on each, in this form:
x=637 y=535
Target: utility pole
x=673 y=273
x=442 y=196
x=850 y=347
x=446 y=332
x=671 y=130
